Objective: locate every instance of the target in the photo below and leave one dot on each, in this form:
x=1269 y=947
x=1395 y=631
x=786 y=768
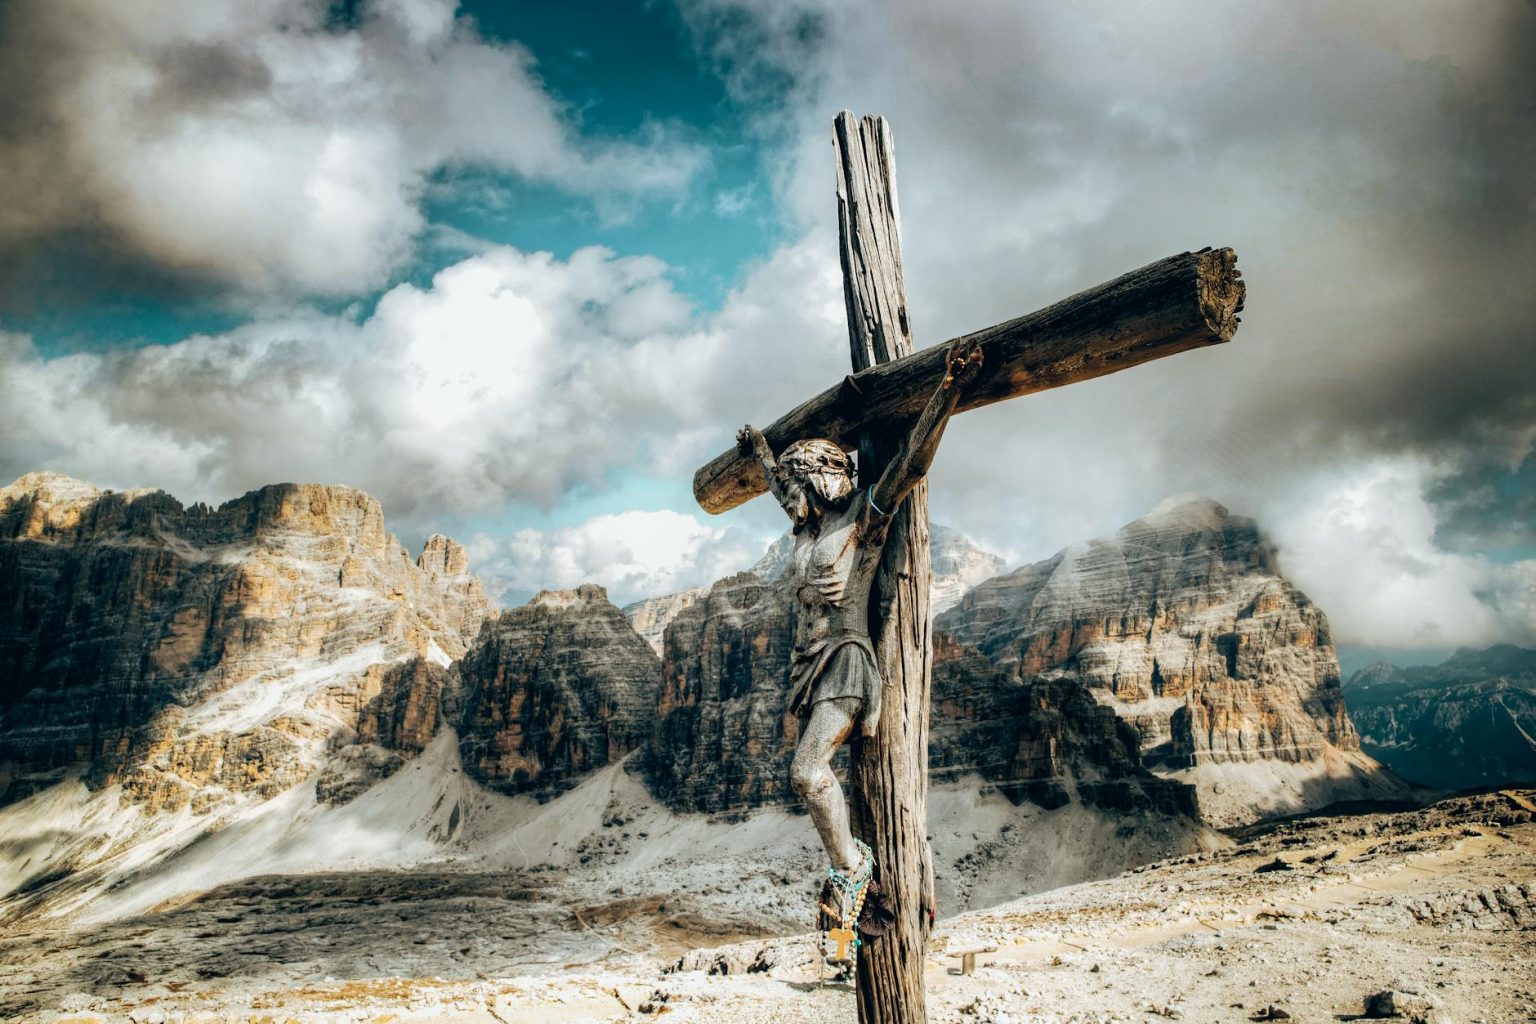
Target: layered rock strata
x=191 y=654
x=651 y=617
x=1045 y=740
x=1182 y=623
x=553 y=690
x=723 y=741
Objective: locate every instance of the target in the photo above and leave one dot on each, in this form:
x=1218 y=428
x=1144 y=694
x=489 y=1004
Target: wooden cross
x=1179 y=303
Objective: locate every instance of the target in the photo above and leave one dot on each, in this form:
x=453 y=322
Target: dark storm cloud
x=268 y=149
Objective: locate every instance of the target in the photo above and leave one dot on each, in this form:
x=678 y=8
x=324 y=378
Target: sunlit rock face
x=553 y=690
x=1468 y=722
x=722 y=740
x=651 y=617
x=1045 y=740
x=193 y=654
x=1182 y=623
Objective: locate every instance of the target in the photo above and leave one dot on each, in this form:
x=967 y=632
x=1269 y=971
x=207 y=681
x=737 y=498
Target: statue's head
x=822 y=466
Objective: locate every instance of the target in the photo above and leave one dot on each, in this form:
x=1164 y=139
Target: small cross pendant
x=841 y=936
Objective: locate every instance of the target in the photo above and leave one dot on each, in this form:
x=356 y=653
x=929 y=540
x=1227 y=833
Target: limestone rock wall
x=553 y=690
x=193 y=653
x=1046 y=740
x=1182 y=623
x=651 y=616
x=722 y=740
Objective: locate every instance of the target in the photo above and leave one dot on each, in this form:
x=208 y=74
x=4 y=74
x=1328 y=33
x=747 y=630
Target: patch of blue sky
x=100 y=323
x=618 y=68
x=622 y=67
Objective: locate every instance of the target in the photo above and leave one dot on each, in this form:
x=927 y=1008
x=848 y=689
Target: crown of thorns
x=815 y=455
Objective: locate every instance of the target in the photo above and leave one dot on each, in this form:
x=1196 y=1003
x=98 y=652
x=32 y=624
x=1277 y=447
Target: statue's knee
x=808 y=778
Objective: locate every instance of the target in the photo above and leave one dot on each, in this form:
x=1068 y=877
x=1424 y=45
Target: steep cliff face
x=1182 y=623
x=1470 y=721
x=1045 y=740
x=195 y=654
x=722 y=740
x=553 y=690
x=958 y=566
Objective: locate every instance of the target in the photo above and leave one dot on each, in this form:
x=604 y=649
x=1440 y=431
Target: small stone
x=1391 y=1002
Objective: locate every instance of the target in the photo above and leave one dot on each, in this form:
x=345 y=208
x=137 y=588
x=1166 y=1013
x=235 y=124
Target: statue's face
x=819 y=475
x=831 y=486
x=821 y=487
x=797 y=500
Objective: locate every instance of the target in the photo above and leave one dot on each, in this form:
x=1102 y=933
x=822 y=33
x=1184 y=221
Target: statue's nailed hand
x=964 y=366
x=751 y=443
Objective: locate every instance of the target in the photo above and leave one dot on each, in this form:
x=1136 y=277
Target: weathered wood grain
x=1179 y=303
x=890 y=771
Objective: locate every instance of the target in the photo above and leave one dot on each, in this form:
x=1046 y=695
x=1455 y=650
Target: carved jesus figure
x=840 y=530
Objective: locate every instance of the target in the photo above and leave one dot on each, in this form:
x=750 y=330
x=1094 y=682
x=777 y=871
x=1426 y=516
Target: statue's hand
x=964 y=366
x=751 y=443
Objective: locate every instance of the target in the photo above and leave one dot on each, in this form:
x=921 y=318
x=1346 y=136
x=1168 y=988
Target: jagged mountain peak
x=586 y=593
x=1181 y=622
x=1468 y=721
x=443 y=556
x=1188 y=508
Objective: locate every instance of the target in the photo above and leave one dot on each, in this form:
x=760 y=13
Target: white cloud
x=632 y=554
x=512 y=379
x=1362 y=546
x=266 y=148
x=1366 y=161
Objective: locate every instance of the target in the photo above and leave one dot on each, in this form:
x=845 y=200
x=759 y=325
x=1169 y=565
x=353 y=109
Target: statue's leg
x=811 y=774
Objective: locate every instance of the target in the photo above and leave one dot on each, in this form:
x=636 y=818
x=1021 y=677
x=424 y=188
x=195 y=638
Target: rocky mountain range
x=280 y=674
x=552 y=691
x=195 y=655
x=1182 y=623
x=1468 y=722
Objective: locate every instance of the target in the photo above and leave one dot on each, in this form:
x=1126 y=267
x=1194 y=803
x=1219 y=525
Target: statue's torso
x=833 y=572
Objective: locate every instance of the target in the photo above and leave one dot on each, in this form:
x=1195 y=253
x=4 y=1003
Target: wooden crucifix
x=894 y=394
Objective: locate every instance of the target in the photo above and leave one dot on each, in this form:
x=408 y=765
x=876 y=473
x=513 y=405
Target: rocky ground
x=1309 y=916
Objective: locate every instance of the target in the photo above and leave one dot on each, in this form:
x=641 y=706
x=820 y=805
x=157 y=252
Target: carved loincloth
x=838 y=666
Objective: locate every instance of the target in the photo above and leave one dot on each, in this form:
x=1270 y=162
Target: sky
x=518 y=269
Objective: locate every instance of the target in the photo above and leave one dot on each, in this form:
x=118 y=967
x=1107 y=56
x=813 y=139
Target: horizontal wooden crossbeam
x=1186 y=301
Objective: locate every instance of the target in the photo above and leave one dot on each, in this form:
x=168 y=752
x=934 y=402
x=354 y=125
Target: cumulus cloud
x=270 y=147
x=1363 y=546
x=1369 y=162
x=513 y=379
x=633 y=554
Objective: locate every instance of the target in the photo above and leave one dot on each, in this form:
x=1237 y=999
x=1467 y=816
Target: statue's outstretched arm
x=911 y=463
x=751 y=443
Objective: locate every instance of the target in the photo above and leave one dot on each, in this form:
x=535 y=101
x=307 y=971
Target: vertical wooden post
x=890 y=771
